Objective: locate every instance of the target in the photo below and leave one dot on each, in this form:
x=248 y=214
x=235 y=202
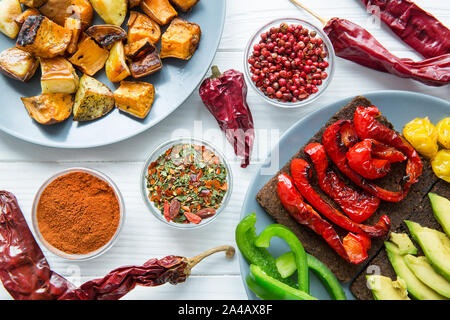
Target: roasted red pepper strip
x=359 y=158
x=301 y=171
x=367 y=127
x=416 y=27
x=353 y=252
x=382 y=151
x=358 y=206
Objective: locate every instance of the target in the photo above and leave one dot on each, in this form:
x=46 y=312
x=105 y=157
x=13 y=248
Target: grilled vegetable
x=159 y=10
x=58 y=76
x=180 y=40
x=9 y=11
x=42 y=37
x=20 y=19
x=49 y=108
x=116 y=66
x=59 y=10
x=33 y=3
x=73 y=25
x=143 y=58
x=92 y=100
x=184 y=5
x=135 y=98
x=18 y=64
x=142 y=27
x=89 y=57
x=106 y=34
x=111 y=11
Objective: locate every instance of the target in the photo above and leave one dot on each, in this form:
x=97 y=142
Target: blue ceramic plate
x=398 y=106
x=180 y=77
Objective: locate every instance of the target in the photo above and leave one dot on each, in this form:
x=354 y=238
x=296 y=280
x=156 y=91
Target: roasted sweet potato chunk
x=33 y=3
x=140 y=26
x=42 y=37
x=116 y=67
x=143 y=58
x=106 y=34
x=89 y=57
x=59 y=10
x=18 y=64
x=133 y=3
x=73 y=25
x=180 y=40
x=135 y=98
x=184 y=5
x=159 y=10
x=20 y=19
x=58 y=76
x=49 y=108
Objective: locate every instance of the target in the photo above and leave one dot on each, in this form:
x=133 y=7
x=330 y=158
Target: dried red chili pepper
x=416 y=27
x=353 y=248
x=301 y=171
x=358 y=206
x=356 y=44
x=225 y=97
x=26 y=275
x=192 y=217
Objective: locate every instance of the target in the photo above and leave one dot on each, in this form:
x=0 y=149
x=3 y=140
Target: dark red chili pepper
x=353 y=248
x=26 y=274
x=333 y=140
x=192 y=217
x=358 y=206
x=167 y=210
x=356 y=44
x=301 y=171
x=367 y=127
x=416 y=27
x=225 y=97
x=359 y=158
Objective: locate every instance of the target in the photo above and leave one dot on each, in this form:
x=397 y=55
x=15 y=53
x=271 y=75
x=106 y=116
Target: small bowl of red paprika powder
x=78 y=213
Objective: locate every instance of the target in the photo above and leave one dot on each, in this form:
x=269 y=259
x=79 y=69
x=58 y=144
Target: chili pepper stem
x=301 y=5
x=192 y=262
x=215 y=72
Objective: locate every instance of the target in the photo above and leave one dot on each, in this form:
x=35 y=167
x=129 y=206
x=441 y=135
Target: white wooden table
x=24 y=167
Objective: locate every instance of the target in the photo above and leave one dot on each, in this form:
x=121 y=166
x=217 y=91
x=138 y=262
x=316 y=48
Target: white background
x=24 y=167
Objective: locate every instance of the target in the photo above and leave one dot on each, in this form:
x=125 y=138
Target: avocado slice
x=383 y=288
x=416 y=288
x=441 y=211
x=404 y=243
x=425 y=272
x=435 y=245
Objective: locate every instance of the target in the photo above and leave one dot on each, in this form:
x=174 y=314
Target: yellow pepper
x=441 y=164
x=422 y=135
x=443 y=129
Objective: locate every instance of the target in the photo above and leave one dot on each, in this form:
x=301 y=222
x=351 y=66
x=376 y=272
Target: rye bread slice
x=422 y=214
x=267 y=197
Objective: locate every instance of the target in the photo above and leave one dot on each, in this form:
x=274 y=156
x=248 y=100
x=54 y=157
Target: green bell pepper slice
x=278 y=230
x=269 y=288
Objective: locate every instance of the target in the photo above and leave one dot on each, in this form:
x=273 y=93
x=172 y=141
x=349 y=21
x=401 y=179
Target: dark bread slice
x=422 y=214
x=267 y=197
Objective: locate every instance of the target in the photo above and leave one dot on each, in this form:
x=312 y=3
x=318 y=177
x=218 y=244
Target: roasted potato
x=143 y=58
x=135 y=98
x=89 y=57
x=116 y=67
x=184 y=5
x=58 y=76
x=18 y=64
x=49 y=108
x=92 y=100
x=180 y=40
x=73 y=25
x=33 y=3
x=20 y=19
x=140 y=26
x=106 y=34
x=133 y=3
x=111 y=11
x=42 y=37
x=159 y=10
x=59 y=10
x=9 y=11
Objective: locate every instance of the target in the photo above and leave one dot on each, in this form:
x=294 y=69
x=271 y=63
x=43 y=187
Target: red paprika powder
x=78 y=213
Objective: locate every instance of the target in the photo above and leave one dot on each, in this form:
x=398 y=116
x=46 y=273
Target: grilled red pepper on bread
x=360 y=159
x=358 y=206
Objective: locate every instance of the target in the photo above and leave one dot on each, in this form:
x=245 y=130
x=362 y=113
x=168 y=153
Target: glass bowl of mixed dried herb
x=186 y=182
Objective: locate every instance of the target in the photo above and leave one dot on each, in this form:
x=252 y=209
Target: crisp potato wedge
x=42 y=37
x=106 y=34
x=89 y=57
x=184 y=5
x=58 y=76
x=135 y=98
x=49 y=108
x=60 y=10
x=159 y=10
x=33 y=3
x=73 y=25
x=111 y=11
x=9 y=11
x=140 y=26
x=18 y=64
x=116 y=67
x=92 y=100
x=180 y=40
